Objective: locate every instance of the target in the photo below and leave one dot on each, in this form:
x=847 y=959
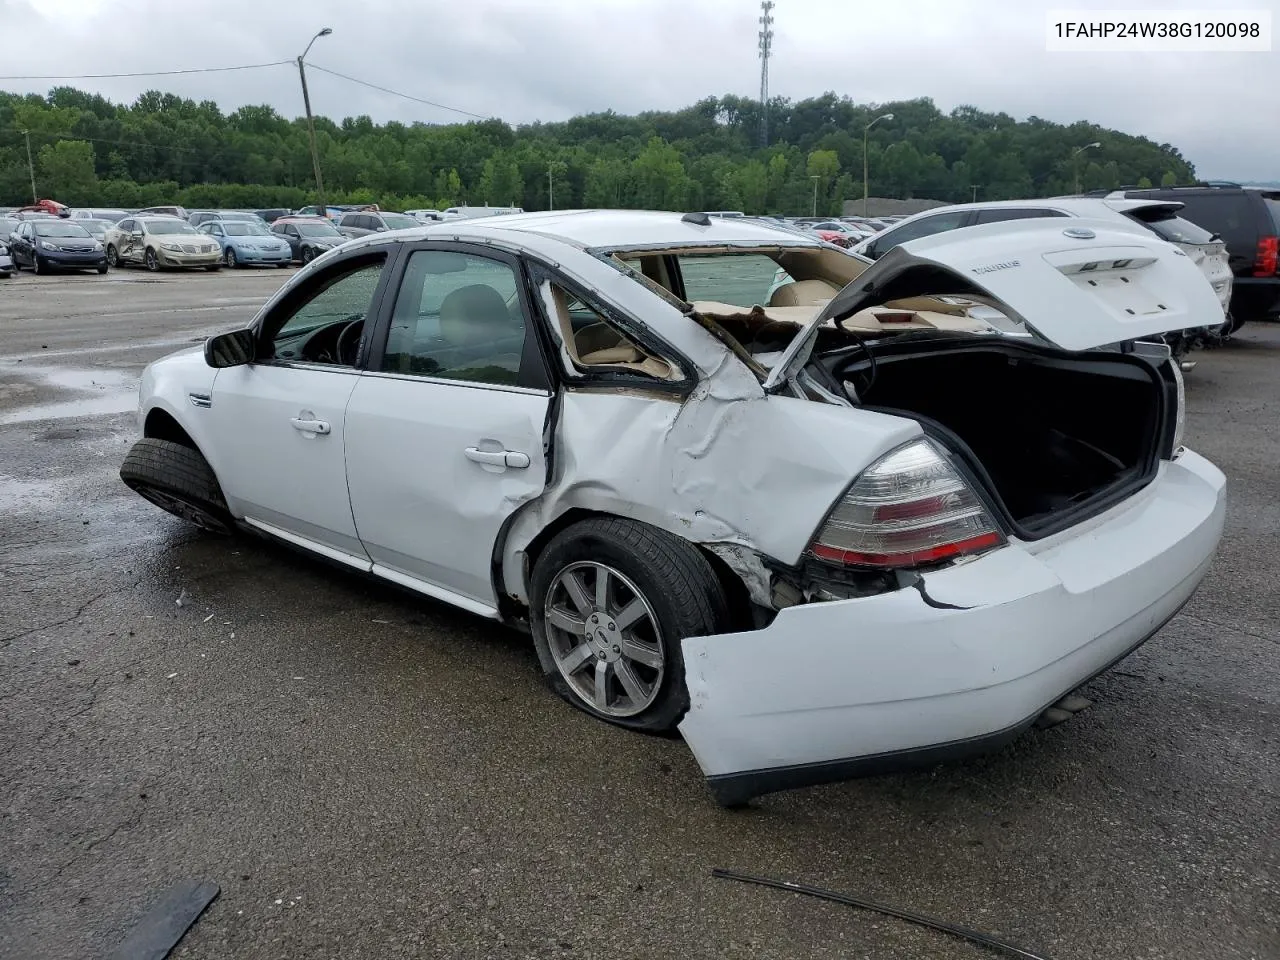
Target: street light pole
x=1075 y=164
x=865 y=179
x=815 y=196
x=311 y=123
x=31 y=167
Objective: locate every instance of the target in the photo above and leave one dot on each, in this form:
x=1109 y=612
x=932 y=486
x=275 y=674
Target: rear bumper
x=1254 y=298
x=962 y=665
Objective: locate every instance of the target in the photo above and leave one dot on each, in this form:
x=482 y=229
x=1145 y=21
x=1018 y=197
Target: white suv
x=1207 y=250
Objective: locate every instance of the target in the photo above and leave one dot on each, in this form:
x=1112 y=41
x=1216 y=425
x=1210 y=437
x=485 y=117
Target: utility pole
x=551 y=186
x=815 y=196
x=31 y=167
x=311 y=123
x=865 y=180
x=765 y=38
x=974 y=188
x=1075 y=164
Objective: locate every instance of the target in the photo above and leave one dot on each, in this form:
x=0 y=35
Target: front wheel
x=229 y=258
x=113 y=257
x=151 y=260
x=178 y=479
x=308 y=254
x=611 y=600
x=36 y=266
x=102 y=268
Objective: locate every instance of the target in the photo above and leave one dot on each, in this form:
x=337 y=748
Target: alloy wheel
x=605 y=639
x=230 y=257
x=153 y=264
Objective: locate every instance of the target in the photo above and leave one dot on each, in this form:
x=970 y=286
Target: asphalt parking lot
x=369 y=774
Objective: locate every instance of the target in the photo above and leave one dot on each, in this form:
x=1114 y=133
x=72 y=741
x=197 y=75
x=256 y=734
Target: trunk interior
x=1054 y=438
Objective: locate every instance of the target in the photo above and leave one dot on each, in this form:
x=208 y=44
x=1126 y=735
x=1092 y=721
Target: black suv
x=1248 y=219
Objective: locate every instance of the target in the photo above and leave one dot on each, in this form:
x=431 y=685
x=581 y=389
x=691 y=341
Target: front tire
x=152 y=261
x=179 y=480
x=308 y=254
x=36 y=267
x=113 y=256
x=214 y=267
x=102 y=268
x=229 y=258
x=611 y=599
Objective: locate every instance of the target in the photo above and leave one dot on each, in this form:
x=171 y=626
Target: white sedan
x=827 y=530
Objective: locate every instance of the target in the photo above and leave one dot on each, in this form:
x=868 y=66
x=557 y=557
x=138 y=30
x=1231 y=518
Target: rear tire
x=660 y=590
x=179 y=480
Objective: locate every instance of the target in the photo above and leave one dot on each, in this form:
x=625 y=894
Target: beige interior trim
x=600 y=345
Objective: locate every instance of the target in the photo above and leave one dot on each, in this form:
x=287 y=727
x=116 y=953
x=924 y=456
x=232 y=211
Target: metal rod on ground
x=311 y=124
x=31 y=167
x=973 y=936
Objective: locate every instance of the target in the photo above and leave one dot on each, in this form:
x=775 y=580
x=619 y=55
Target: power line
x=396 y=93
x=151 y=73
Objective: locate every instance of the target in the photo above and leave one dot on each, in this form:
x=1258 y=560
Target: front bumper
x=264 y=256
x=960 y=665
x=68 y=259
x=174 y=258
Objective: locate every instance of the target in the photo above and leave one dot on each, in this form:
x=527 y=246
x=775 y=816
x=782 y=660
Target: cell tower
x=766 y=46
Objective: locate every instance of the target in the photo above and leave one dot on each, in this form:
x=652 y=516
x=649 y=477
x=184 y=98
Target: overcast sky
x=547 y=60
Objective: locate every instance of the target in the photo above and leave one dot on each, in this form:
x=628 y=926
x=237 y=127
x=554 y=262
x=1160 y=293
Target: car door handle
x=499 y=458
x=311 y=426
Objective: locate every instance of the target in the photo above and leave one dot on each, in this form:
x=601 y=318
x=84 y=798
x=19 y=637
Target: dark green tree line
x=162 y=148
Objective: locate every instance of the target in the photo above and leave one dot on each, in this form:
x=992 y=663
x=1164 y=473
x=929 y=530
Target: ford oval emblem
x=1079 y=233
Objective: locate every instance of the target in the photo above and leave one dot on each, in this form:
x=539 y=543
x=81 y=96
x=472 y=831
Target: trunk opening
x=1052 y=438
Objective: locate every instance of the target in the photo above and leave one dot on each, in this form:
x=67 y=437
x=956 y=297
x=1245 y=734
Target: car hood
x=1085 y=284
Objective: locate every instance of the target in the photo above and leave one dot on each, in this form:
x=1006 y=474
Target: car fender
x=727 y=467
x=179 y=384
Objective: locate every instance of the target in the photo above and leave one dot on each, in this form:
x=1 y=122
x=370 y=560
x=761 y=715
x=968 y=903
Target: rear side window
x=1015 y=213
x=1272 y=202
x=1229 y=214
x=924 y=227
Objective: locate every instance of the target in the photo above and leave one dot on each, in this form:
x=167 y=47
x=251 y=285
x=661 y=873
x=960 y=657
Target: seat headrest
x=474 y=314
x=802 y=293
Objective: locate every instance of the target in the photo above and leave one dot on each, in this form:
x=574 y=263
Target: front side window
x=457 y=317
x=324 y=321
x=125 y=225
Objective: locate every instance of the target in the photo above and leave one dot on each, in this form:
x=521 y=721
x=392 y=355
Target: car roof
x=617 y=229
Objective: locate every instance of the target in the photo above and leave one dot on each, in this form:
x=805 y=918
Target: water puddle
x=89 y=407
x=109 y=391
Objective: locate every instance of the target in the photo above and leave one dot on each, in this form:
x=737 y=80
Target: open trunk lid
x=1077 y=285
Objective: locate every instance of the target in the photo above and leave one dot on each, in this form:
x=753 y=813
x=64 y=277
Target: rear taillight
x=1268 y=255
x=911 y=507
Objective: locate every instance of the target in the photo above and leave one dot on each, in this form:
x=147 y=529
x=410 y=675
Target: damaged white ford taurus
x=823 y=528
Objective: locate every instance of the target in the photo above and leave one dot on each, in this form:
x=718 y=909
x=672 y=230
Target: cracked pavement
x=369 y=774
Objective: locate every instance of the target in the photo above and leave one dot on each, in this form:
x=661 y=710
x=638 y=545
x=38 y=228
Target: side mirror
x=233 y=349
x=382 y=229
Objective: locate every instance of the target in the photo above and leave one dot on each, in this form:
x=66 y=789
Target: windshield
x=243 y=228
x=398 y=221
x=97 y=227
x=59 y=228
x=317 y=230
x=168 y=226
